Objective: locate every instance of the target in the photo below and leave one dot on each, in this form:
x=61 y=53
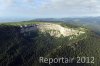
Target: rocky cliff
x=55 y=30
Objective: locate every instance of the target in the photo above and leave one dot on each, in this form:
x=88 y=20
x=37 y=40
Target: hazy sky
x=49 y=8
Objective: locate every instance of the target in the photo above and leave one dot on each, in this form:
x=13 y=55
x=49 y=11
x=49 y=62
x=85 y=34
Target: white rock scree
x=55 y=30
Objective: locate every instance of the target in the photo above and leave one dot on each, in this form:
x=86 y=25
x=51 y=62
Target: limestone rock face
x=55 y=30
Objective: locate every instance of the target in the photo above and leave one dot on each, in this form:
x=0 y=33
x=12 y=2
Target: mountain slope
x=23 y=48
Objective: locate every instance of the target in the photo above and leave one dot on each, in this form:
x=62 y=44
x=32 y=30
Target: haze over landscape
x=49 y=33
x=19 y=10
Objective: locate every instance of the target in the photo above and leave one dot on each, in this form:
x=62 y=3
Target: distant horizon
x=14 y=9
x=20 y=19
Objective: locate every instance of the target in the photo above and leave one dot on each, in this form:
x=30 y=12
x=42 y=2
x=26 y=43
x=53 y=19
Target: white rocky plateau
x=55 y=30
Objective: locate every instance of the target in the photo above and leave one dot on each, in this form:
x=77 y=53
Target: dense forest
x=24 y=49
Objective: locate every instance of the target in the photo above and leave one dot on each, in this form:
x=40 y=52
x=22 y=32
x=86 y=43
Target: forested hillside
x=24 y=49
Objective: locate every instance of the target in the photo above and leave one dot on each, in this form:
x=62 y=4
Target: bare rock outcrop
x=53 y=29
